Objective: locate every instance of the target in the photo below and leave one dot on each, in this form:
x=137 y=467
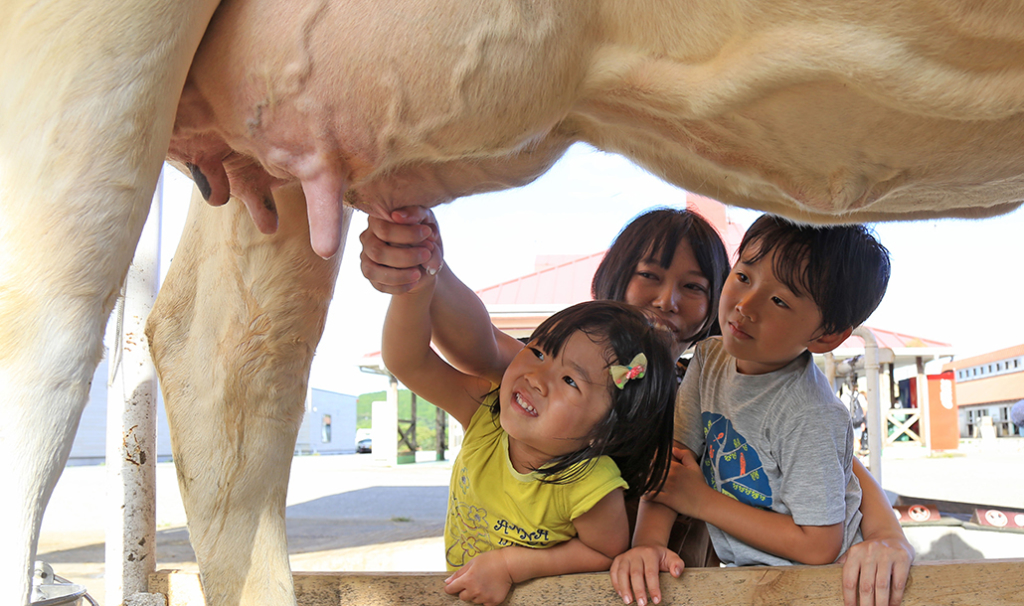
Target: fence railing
x=980 y=583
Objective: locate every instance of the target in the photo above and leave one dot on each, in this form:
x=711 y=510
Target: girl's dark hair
x=654 y=236
x=637 y=432
x=844 y=269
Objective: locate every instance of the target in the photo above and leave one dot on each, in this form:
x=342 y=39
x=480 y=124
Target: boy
x=774 y=482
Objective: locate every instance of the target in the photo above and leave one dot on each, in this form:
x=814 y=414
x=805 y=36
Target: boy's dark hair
x=637 y=432
x=654 y=236
x=844 y=269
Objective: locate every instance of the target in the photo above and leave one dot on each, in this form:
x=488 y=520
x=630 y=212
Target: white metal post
x=876 y=439
x=923 y=406
x=131 y=428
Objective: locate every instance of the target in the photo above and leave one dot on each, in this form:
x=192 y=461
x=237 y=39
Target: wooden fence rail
x=973 y=583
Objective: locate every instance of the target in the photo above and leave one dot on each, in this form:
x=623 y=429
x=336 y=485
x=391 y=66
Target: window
x=325 y=429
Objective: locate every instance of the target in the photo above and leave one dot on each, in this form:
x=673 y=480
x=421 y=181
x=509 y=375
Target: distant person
x=671 y=263
x=580 y=419
x=765 y=447
x=1017 y=416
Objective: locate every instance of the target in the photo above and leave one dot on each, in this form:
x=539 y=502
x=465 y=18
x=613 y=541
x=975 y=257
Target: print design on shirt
x=731 y=465
x=470 y=526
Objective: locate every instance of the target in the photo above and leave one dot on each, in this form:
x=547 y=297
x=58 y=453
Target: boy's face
x=765 y=325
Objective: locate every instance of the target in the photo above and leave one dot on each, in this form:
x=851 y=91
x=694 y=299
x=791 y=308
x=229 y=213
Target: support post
x=440 y=424
x=830 y=370
x=131 y=426
x=922 y=404
x=876 y=437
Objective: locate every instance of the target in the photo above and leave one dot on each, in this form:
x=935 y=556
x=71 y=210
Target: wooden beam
x=967 y=583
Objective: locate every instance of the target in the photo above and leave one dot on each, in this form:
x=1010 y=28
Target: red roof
x=564 y=283
x=565 y=279
x=893 y=340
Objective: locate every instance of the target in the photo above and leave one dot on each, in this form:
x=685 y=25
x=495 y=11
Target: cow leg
x=86 y=109
x=233 y=333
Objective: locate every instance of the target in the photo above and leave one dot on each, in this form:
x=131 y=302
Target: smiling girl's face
x=550 y=404
x=677 y=297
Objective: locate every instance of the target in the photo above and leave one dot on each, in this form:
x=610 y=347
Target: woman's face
x=678 y=297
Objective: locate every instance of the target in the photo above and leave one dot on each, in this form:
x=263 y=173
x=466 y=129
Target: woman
x=672 y=264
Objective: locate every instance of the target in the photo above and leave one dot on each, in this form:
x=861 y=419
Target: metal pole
x=876 y=439
x=922 y=406
x=131 y=427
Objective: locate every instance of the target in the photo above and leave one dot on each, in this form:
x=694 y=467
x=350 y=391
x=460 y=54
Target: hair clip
x=635 y=370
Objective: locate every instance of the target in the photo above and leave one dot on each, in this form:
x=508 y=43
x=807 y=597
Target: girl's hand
x=635 y=573
x=685 y=487
x=399 y=253
x=483 y=580
x=876 y=570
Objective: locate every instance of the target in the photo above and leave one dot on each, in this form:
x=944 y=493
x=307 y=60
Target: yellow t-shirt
x=491 y=505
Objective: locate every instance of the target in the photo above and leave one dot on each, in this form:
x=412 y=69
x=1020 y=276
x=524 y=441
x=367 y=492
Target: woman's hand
x=399 y=253
x=876 y=571
x=483 y=580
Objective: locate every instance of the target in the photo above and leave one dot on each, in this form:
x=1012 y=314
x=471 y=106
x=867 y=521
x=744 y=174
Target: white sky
x=953 y=281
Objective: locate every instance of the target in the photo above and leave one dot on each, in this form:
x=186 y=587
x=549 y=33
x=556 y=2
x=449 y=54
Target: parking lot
x=347 y=512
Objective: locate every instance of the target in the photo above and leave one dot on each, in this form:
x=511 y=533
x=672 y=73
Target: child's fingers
x=675 y=565
x=454 y=584
x=638 y=580
x=620 y=579
x=684 y=456
x=900 y=572
x=435 y=262
x=853 y=569
x=653 y=584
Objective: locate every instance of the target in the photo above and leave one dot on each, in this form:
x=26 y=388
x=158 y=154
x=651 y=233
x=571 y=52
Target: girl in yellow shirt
x=582 y=419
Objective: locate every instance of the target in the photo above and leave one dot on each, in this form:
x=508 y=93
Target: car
x=364 y=445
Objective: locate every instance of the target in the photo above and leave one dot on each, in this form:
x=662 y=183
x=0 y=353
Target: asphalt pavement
x=349 y=512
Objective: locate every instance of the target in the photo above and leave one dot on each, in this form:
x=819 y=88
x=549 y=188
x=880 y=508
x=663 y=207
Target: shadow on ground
x=380 y=514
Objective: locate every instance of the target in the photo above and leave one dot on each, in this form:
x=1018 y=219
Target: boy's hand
x=635 y=573
x=876 y=571
x=685 y=487
x=483 y=580
x=399 y=253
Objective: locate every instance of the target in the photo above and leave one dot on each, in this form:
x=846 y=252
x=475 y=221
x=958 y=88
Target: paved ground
x=349 y=513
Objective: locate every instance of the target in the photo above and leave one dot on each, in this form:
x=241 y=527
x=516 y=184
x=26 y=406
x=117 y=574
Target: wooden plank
x=973 y=583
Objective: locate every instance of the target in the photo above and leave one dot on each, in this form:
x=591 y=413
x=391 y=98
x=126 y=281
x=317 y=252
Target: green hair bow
x=635 y=370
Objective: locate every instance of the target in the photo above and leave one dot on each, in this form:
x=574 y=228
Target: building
x=328 y=427
x=988 y=386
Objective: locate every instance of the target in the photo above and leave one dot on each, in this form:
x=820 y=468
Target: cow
x=294 y=113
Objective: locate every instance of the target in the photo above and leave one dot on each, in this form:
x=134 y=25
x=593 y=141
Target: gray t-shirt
x=780 y=441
